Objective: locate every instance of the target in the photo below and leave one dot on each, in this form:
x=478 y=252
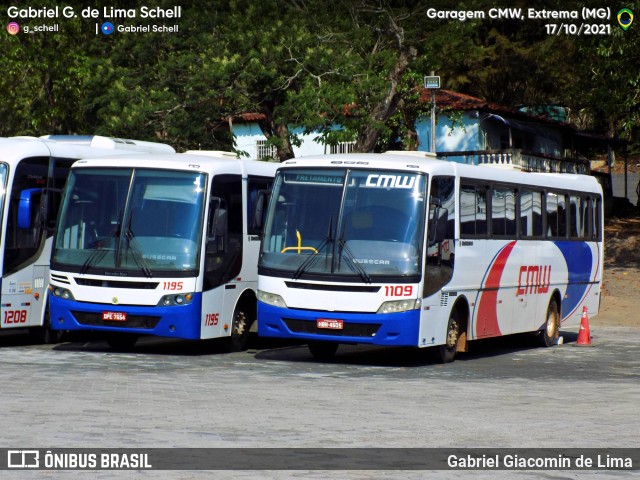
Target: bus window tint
x=23 y=244
x=503 y=211
x=530 y=213
x=555 y=215
x=473 y=210
x=579 y=218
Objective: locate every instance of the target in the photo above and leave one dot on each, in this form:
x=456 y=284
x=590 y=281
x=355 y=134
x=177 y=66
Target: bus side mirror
x=26 y=207
x=217 y=230
x=262 y=200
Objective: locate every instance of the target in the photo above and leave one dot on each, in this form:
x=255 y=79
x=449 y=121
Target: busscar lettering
x=534 y=279
x=371 y=261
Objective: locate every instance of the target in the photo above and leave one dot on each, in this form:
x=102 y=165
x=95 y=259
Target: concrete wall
x=617 y=180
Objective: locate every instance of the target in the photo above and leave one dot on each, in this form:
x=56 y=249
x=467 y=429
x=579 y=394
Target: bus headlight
x=397 y=306
x=271 y=299
x=63 y=293
x=176 y=299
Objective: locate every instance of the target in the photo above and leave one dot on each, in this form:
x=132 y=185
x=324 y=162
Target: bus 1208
x=33 y=172
x=402 y=251
x=161 y=248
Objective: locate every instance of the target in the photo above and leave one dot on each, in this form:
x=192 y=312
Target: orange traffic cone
x=584 y=335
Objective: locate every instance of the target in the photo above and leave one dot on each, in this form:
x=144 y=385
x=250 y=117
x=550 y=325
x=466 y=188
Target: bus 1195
x=396 y=250
x=33 y=172
x=160 y=247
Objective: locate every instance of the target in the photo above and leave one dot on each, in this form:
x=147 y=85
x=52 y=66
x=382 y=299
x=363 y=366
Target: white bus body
x=166 y=249
x=400 y=251
x=33 y=172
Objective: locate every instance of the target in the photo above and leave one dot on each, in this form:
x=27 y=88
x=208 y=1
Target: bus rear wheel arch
x=244 y=316
x=551 y=331
x=456 y=333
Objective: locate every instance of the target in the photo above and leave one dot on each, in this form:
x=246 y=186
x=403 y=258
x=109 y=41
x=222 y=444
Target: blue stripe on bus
x=579 y=261
x=395 y=329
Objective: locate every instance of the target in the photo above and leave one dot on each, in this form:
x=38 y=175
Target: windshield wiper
x=311 y=259
x=136 y=252
x=99 y=253
x=344 y=249
x=95 y=257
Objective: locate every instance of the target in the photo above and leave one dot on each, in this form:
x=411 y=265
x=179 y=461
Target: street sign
x=432 y=82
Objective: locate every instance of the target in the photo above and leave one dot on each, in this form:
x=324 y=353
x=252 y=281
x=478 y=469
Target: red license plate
x=114 y=316
x=330 y=323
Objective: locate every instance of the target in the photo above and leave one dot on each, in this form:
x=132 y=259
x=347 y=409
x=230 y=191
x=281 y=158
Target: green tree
x=43 y=78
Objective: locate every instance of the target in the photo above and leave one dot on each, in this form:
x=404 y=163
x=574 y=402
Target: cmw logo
x=390 y=181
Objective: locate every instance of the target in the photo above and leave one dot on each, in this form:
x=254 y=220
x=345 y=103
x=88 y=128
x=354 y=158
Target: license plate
x=114 y=316
x=330 y=324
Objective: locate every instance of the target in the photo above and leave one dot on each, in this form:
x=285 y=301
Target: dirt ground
x=621 y=290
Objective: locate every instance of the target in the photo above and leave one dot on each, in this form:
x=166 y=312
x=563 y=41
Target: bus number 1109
x=398 y=290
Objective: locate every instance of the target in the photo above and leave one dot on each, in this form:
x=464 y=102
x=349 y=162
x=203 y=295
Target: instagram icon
x=13 y=28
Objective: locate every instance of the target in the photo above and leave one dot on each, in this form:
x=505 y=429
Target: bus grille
x=349 y=330
x=133 y=321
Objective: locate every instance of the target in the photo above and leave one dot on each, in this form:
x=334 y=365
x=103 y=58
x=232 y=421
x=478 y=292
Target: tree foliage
x=311 y=65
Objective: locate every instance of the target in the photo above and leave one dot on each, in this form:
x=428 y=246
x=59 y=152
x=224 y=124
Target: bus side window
x=61 y=167
x=503 y=212
x=440 y=254
x=473 y=211
x=22 y=244
x=217 y=228
x=255 y=185
x=530 y=213
x=578 y=217
x=223 y=253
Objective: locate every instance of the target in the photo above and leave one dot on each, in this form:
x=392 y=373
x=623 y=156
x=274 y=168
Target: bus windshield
x=129 y=221
x=363 y=224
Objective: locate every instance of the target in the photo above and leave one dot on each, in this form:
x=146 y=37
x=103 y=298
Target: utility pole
x=432 y=83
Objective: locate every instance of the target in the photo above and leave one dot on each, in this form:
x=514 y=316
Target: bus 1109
x=159 y=248
x=395 y=250
x=33 y=172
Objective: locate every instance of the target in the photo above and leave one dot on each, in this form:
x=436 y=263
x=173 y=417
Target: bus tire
x=447 y=352
x=549 y=334
x=121 y=342
x=46 y=334
x=240 y=326
x=323 y=350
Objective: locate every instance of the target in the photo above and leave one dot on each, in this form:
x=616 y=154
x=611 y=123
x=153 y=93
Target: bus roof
x=72 y=146
x=416 y=163
x=205 y=163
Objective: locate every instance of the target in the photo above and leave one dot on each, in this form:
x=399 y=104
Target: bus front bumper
x=390 y=329
x=177 y=321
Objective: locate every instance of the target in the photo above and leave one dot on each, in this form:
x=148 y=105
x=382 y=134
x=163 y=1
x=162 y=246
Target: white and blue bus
x=396 y=250
x=163 y=249
x=33 y=172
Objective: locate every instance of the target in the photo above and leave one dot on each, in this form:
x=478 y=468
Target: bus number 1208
x=15 y=316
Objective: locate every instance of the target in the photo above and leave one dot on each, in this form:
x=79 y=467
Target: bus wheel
x=45 y=334
x=551 y=331
x=239 y=338
x=121 y=342
x=323 y=350
x=448 y=350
